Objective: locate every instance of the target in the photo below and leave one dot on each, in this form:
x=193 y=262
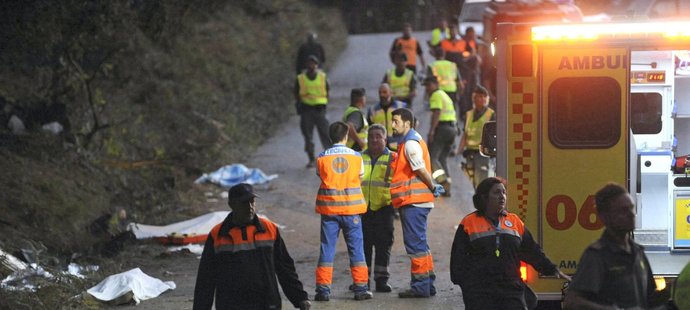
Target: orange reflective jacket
x=409 y=47
x=406 y=187
x=340 y=192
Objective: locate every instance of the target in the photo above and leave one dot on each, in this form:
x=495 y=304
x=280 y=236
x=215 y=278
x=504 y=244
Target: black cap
x=241 y=192
x=430 y=79
x=480 y=90
x=313 y=58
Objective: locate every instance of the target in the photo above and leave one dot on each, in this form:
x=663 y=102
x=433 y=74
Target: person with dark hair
x=476 y=166
x=488 y=247
x=410 y=47
x=309 y=48
x=613 y=272
x=242 y=257
x=439 y=33
x=442 y=131
x=357 y=123
x=401 y=80
x=311 y=94
x=412 y=193
x=340 y=202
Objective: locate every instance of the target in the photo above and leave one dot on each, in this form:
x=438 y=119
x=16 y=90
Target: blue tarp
x=231 y=175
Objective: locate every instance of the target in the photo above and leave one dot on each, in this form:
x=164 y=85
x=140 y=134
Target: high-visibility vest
x=409 y=47
x=406 y=187
x=440 y=100
x=400 y=85
x=340 y=192
x=256 y=237
x=377 y=179
x=457 y=46
x=313 y=92
x=437 y=36
x=474 y=128
x=384 y=117
x=477 y=226
x=446 y=72
x=363 y=132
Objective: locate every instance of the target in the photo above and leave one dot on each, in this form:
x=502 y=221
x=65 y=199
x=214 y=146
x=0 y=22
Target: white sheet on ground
x=231 y=175
x=140 y=284
x=201 y=225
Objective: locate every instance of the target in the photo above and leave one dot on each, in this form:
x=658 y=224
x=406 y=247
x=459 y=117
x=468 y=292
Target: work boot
x=383 y=287
x=321 y=297
x=363 y=295
x=409 y=293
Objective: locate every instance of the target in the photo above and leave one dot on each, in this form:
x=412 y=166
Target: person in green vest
x=311 y=94
x=402 y=80
x=439 y=33
x=381 y=113
x=377 y=223
x=357 y=123
x=477 y=166
x=448 y=76
x=442 y=131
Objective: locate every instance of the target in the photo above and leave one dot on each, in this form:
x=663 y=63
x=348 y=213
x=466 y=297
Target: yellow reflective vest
x=362 y=133
x=473 y=128
x=377 y=179
x=446 y=72
x=400 y=85
x=313 y=92
x=439 y=100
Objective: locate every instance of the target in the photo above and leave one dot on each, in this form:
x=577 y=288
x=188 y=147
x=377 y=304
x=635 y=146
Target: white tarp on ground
x=140 y=284
x=201 y=225
x=230 y=175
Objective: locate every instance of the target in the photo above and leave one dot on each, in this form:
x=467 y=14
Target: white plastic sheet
x=141 y=285
x=231 y=175
x=201 y=225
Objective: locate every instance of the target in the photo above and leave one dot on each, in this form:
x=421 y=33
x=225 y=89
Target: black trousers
x=377 y=227
x=311 y=117
x=506 y=296
x=440 y=148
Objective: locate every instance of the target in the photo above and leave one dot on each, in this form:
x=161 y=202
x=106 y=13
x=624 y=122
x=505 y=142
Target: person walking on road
x=614 y=272
x=377 y=223
x=477 y=166
x=401 y=80
x=340 y=202
x=311 y=93
x=487 y=249
x=309 y=48
x=447 y=74
x=442 y=132
x=242 y=257
x=382 y=113
x=439 y=34
x=357 y=123
x=410 y=46
x=412 y=193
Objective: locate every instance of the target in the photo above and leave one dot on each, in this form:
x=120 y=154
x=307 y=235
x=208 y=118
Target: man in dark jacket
x=241 y=259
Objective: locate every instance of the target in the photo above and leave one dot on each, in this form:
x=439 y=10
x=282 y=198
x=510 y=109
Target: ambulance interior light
x=589 y=32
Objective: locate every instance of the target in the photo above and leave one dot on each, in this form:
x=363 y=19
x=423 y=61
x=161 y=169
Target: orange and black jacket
x=474 y=264
x=239 y=266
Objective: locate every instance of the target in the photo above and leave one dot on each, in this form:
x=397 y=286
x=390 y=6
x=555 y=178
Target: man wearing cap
x=241 y=259
x=477 y=166
x=441 y=133
x=354 y=117
x=311 y=94
x=401 y=80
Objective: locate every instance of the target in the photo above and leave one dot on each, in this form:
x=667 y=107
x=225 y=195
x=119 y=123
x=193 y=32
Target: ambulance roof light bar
x=591 y=32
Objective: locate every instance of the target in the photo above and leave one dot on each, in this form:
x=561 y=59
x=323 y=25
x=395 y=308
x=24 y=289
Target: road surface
x=289 y=201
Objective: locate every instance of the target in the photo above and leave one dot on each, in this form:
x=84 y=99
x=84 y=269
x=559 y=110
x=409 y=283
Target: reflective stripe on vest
x=340 y=192
x=313 y=92
x=385 y=117
x=440 y=100
x=446 y=72
x=477 y=226
x=376 y=181
x=363 y=132
x=406 y=187
x=233 y=242
x=400 y=85
x=474 y=128
x=409 y=47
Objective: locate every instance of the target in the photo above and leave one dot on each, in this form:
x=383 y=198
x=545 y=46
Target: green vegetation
x=153 y=92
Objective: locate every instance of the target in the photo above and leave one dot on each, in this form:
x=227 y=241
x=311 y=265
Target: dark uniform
x=239 y=267
x=485 y=261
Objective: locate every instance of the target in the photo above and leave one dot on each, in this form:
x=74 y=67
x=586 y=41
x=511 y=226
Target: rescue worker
x=311 y=47
x=412 y=193
x=242 y=257
x=439 y=34
x=487 y=249
x=381 y=113
x=410 y=46
x=448 y=76
x=402 y=80
x=470 y=39
x=614 y=272
x=377 y=223
x=441 y=133
x=311 y=93
x=455 y=47
x=477 y=166
x=340 y=202
x=357 y=123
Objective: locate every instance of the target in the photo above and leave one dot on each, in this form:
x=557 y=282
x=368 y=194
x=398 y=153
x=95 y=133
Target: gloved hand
x=438 y=190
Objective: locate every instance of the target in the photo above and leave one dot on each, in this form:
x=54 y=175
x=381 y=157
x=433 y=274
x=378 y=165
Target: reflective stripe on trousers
x=414 y=226
x=352 y=231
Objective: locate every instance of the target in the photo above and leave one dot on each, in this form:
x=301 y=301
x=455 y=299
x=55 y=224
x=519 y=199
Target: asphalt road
x=289 y=201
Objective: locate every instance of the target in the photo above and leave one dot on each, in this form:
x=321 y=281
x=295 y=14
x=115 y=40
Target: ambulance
x=582 y=105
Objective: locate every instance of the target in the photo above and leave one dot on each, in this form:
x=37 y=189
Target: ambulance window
x=584 y=112
x=645 y=113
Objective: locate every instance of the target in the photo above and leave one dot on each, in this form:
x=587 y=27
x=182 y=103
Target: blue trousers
x=352 y=231
x=414 y=228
